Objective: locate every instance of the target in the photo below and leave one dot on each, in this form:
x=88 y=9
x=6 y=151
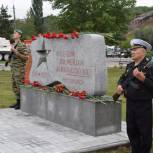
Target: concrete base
x=92 y=118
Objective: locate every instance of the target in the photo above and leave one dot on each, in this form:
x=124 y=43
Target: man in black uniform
x=137 y=85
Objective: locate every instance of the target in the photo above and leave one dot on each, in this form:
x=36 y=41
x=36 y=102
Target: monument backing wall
x=80 y=64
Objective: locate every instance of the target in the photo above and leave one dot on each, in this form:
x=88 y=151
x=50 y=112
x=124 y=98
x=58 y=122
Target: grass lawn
x=113 y=76
x=7 y=96
x=1 y=62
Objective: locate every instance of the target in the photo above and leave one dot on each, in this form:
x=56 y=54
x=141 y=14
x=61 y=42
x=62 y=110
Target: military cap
x=19 y=31
x=139 y=43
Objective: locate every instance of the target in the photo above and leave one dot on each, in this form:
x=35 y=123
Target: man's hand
x=138 y=74
x=13 y=50
x=119 y=89
x=118 y=92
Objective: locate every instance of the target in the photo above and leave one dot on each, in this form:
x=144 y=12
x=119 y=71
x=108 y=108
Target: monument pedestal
x=92 y=118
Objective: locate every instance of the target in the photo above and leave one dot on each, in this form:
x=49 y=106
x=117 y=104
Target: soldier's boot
x=17 y=104
x=13 y=106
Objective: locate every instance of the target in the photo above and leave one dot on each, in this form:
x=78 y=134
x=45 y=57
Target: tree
x=37 y=13
x=51 y=24
x=94 y=15
x=27 y=26
x=145 y=33
x=6 y=25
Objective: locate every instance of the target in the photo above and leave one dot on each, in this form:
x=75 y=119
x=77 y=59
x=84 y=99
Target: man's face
x=137 y=53
x=16 y=35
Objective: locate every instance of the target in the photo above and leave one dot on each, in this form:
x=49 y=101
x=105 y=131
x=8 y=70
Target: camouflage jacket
x=18 y=61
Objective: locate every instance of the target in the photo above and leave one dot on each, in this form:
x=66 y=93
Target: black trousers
x=139 y=125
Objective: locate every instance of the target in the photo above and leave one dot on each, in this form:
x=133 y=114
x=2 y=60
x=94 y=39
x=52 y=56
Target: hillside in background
x=141 y=16
x=140 y=10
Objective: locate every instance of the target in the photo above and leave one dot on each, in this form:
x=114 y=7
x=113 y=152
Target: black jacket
x=133 y=88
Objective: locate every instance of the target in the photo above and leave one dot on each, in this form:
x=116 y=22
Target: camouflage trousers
x=17 y=80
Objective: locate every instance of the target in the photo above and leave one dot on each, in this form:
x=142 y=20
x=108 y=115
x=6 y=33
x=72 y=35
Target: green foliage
x=37 y=13
x=150 y=54
x=51 y=24
x=126 y=43
x=110 y=40
x=145 y=33
x=93 y=15
x=6 y=27
x=27 y=26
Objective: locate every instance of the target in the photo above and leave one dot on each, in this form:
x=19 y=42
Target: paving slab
x=23 y=133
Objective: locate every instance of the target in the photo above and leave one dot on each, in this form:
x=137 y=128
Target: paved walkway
x=22 y=133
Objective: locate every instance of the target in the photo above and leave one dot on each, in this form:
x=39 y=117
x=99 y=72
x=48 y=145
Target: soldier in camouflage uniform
x=17 y=63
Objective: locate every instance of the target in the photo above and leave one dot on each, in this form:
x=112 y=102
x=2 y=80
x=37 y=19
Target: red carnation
x=60 y=35
x=82 y=97
x=48 y=35
x=33 y=38
x=65 y=36
x=72 y=36
x=76 y=34
x=36 y=84
x=54 y=35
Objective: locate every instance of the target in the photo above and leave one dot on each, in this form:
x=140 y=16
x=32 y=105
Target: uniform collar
x=142 y=63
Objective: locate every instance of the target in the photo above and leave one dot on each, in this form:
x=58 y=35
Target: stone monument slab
x=80 y=64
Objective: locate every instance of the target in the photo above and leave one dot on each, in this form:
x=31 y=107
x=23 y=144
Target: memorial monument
x=79 y=63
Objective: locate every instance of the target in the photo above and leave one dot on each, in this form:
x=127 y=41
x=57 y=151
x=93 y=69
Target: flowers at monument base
x=80 y=94
x=59 y=88
x=36 y=84
x=62 y=89
x=100 y=99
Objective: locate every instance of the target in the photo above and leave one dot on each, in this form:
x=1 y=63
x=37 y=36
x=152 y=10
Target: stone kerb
x=92 y=118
